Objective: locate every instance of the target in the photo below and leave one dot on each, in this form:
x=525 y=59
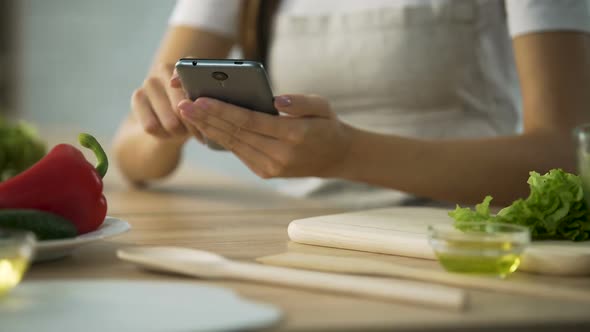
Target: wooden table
x=210 y=212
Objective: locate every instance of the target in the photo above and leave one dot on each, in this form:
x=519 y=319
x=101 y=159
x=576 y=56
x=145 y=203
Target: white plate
x=129 y=306
x=54 y=249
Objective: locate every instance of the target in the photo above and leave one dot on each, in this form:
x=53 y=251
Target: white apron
x=417 y=70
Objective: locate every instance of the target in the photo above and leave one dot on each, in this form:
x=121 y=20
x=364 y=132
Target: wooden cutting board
x=403 y=231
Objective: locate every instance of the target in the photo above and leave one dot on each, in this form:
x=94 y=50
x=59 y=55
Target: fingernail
x=283 y=101
x=187 y=108
x=202 y=103
x=175 y=81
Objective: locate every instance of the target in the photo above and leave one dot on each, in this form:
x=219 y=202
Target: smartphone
x=240 y=82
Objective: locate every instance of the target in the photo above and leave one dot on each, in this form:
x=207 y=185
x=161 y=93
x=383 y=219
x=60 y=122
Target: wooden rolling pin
x=364 y=266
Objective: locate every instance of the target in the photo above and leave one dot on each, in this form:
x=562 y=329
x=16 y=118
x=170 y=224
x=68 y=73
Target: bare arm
x=554 y=72
x=147 y=147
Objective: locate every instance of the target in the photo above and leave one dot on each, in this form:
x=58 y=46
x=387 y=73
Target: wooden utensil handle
x=338 y=264
x=393 y=290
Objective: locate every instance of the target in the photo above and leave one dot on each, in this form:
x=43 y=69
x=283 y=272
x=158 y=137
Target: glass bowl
x=479 y=247
x=16 y=252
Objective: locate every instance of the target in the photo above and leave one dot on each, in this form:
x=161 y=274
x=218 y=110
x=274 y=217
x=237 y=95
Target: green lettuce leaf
x=481 y=213
x=554 y=209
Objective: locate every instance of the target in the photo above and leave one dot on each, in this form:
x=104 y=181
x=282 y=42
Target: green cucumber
x=45 y=225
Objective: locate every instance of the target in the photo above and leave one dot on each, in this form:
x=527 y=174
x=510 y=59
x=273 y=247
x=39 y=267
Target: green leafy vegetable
x=555 y=208
x=20 y=148
x=481 y=213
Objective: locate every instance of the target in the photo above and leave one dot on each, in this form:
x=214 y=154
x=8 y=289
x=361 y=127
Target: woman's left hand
x=308 y=139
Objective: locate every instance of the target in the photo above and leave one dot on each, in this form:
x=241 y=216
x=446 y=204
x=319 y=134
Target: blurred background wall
x=80 y=60
x=8 y=55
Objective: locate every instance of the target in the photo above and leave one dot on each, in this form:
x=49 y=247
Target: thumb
x=304 y=105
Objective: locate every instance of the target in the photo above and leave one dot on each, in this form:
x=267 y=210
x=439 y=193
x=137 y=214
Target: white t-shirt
x=524 y=16
x=431 y=69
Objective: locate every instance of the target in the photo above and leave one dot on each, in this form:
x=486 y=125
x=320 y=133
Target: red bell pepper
x=63 y=183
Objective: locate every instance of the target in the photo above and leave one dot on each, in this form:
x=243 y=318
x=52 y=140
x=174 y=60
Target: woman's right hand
x=154 y=105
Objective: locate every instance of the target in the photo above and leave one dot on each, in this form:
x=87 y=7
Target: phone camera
x=219 y=75
x=194 y=63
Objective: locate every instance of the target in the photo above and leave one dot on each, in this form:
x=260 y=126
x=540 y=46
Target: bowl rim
x=9 y=235
x=443 y=232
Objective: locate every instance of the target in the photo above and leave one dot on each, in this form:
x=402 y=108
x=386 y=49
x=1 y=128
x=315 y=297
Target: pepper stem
x=88 y=141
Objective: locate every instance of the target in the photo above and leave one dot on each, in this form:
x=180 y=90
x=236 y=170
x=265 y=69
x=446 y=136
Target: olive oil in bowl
x=479 y=247
x=11 y=272
x=16 y=250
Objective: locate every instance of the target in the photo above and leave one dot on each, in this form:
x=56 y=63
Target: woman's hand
x=308 y=140
x=140 y=153
x=154 y=106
